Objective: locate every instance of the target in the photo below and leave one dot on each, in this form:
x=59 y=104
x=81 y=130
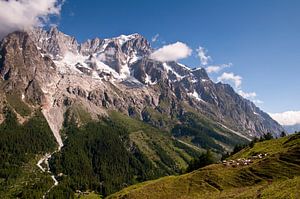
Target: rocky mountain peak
x=54 y=42
x=90 y=46
x=114 y=55
x=23 y=67
x=200 y=73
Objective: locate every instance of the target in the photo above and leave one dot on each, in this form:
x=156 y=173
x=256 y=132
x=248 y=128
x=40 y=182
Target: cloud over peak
x=247 y=95
x=231 y=77
x=236 y=80
x=24 y=14
x=217 y=68
x=172 y=52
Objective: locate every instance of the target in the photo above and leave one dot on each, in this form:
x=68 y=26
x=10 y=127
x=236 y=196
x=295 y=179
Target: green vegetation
x=159 y=146
x=159 y=117
x=18 y=105
x=114 y=153
x=275 y=176
x=29 y=182
x=98 y=156
x=79 y=112
x=101 y=157
x=239 y=147
x=87 y=195
x=201 y=161
x=19 y=144
x=205 y=133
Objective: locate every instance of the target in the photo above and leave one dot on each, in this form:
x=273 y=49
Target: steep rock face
x=30 y=76
x=90 y=46
x=23 y=67
x=54 y=70
x=54 y=42
x=98 y=58
x=217 y=101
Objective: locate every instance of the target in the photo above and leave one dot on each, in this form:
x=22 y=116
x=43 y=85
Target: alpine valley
x=96 y=117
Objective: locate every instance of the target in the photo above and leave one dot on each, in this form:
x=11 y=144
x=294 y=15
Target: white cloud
x=257 y=101
x=230 y=77
x=287 y=118
x=213 y=69
x=155 y=38
x=249 y=95
x=24 y=14
x=217 y=68
x=202 y=54
x=236 y=80
x=171 y=52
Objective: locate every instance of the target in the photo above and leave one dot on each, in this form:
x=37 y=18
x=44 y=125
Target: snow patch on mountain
x=72 y=63
x=170 y=69
x=196 y=95
x=122 y=39
x=148 y=80
x=184 y=66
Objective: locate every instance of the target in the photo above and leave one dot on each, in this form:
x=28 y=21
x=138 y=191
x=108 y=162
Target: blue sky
x=261 y=38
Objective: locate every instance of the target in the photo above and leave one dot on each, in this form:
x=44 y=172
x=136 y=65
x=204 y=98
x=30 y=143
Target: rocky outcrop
x=24 y=69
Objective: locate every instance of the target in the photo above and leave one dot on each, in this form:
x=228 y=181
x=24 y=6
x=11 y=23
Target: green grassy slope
x=205 y=133
x=275 y=176
x=162 y=149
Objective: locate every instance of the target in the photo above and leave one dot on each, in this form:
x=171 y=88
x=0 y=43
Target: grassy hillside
x=205 y=133
x=275 y=176
x=162 y=149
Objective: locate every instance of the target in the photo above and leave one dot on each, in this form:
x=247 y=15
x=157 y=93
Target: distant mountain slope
x=292 y=128
x=275 y=176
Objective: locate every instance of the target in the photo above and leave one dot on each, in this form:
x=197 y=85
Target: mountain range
x=106 y=101
x=118 y=74
x=292 y=128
